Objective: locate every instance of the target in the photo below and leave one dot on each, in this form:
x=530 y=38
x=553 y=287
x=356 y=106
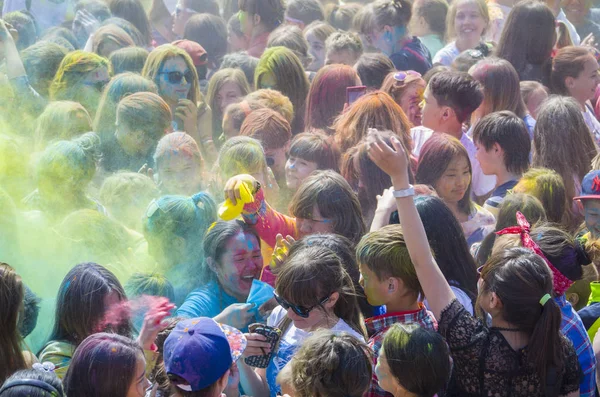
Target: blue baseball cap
x=200 y=351
x=590 y=186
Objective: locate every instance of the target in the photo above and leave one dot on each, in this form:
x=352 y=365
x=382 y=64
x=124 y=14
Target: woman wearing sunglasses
x=174 y=73
x=314 y=292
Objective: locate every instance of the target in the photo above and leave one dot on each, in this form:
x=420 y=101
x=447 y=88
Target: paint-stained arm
x=266 y=220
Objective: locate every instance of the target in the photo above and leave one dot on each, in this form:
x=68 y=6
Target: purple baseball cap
x=590 y=186
x=200 y=351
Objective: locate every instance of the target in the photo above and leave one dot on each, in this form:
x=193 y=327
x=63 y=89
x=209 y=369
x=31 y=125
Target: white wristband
x=410 y=191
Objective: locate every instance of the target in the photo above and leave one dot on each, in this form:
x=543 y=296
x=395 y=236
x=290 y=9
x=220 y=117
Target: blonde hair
x=223 y=76
x=163 y=53
x=61 y=120
x=110 y=34
x=483 y=10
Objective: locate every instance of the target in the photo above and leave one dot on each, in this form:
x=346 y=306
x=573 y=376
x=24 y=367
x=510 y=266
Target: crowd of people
x=208 y=198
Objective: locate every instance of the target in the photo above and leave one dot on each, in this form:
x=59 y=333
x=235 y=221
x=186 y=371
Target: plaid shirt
x=572 y=327
x=376 y=328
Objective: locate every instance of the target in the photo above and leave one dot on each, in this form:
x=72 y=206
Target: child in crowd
x=307 y=303
x=274 y=133
x=178 y=165
x=407 y=90
x=316 y=34
x=428 y=23
x=106 y=365
x=87 y=294
x=226 y=86
x=329 y=86
x=449 y=100
x=501 y=91
x=342 y=48
x=413 y=360
x=386 y=30
x=562 y=142
x=547 y=186
x=591 y=206
x=389 y=279
x=467 y=23
x=328 y=364
x=174 y=227
x=533 y=94
x=310 y=151
x=200 y=358
x=575 y=74
x=38 y=382
x=444 y=164
x=280 y=69
x=503 y=147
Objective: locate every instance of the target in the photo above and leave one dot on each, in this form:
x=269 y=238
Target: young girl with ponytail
x=523 y=352
x=568 y=256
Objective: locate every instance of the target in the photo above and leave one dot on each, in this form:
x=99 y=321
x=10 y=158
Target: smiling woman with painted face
x=174 y=73
x=232 y=260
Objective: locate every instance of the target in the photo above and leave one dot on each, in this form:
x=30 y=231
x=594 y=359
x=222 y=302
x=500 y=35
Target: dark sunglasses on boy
x=176 y=77
x=301 y=311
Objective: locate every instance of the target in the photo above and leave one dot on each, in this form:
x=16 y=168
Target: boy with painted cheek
x=389 y=278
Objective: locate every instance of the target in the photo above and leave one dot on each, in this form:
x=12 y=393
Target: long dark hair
x=20 y=389
x=103 y=365
x=80 y=303
x=314 y=273
x=449 y=245
x=528 y=38
x=520 y=278
x=11 y=302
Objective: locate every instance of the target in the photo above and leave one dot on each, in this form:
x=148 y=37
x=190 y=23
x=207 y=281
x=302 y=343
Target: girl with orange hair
x=374 y=110
x=407 y=89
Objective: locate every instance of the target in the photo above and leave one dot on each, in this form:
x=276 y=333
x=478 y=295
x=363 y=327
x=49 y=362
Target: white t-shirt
x=446 y=55
x=481 y=184
x=592 y=123
x=290 y=342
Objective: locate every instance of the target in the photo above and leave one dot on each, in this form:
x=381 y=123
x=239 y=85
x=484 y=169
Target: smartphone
x=353 y=93
x=273 y=336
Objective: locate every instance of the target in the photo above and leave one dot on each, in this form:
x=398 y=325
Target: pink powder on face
x=125 y=310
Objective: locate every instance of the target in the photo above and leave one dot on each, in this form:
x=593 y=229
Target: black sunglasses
x=176 y=77
x=301 y=311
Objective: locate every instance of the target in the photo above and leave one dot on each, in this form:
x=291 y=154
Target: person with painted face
x=388 y=33
x=232 y=261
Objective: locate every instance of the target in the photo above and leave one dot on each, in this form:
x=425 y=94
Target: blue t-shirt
x=530 y=123
x=207 y=301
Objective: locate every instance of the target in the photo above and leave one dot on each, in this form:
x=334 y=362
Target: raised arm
x=394 y=161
